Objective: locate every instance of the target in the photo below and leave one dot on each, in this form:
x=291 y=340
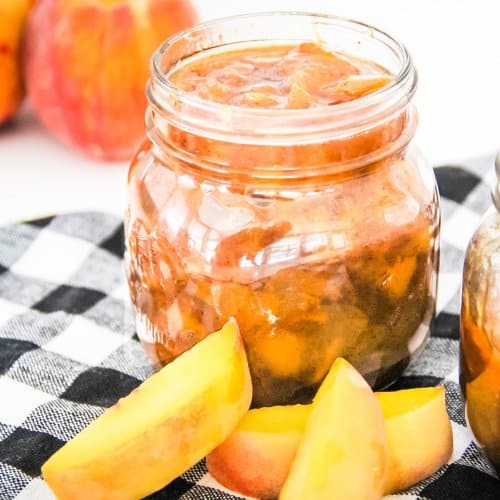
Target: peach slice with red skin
x=256 y=458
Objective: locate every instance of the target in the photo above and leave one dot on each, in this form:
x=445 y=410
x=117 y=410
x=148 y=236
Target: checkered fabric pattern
x=68 y=348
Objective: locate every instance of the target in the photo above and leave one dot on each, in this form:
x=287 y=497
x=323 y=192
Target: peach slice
x=360 y=85
x=256 y=458
x=162 y=428
x=343 y=452
x=419 y=435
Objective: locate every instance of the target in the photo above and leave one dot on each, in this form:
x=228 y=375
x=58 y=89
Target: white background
x=456 y=48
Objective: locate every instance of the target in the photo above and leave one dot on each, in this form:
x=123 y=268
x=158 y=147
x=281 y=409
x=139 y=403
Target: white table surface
x=455 y=45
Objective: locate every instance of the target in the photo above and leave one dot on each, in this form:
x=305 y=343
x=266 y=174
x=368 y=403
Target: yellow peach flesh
x=162 y=428
x=256 y=459
x=419 y=435
x=270 y=436
x=343 y=452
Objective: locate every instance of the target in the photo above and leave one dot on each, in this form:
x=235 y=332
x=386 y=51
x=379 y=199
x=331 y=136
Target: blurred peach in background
x=87 y=62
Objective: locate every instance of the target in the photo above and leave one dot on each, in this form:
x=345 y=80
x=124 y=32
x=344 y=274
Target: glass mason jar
x=317 y=229
x=480 y=332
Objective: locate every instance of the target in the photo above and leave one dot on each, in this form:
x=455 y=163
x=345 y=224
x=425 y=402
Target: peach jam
x=279 y=77
x=280 y=185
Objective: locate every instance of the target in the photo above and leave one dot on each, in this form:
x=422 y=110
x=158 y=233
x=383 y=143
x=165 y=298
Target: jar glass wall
x=480 y=333
x=317 y=229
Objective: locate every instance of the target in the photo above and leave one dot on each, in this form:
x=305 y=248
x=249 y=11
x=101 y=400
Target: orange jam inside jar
x=280 y=185
x=480 y=333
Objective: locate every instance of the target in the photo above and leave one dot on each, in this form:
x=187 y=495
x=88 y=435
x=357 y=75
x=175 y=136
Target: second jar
x=279 y=184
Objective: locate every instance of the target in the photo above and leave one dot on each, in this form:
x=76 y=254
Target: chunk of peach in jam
x=287 y=76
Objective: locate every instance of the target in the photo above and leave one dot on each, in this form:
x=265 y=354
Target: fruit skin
x=343 y=452
x=162 y=428
x=87 y=64
x=256 y=458
x=12 y=20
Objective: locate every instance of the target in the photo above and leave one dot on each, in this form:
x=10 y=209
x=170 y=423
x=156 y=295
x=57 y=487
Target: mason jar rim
x=274 y=126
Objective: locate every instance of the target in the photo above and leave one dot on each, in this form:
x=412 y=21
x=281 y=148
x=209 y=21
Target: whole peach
x=12 y=18
x=87 y=64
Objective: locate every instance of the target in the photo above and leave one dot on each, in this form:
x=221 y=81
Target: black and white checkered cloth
x=68 y=349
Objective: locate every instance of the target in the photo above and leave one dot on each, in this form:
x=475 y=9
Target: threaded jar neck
x=386 y=113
